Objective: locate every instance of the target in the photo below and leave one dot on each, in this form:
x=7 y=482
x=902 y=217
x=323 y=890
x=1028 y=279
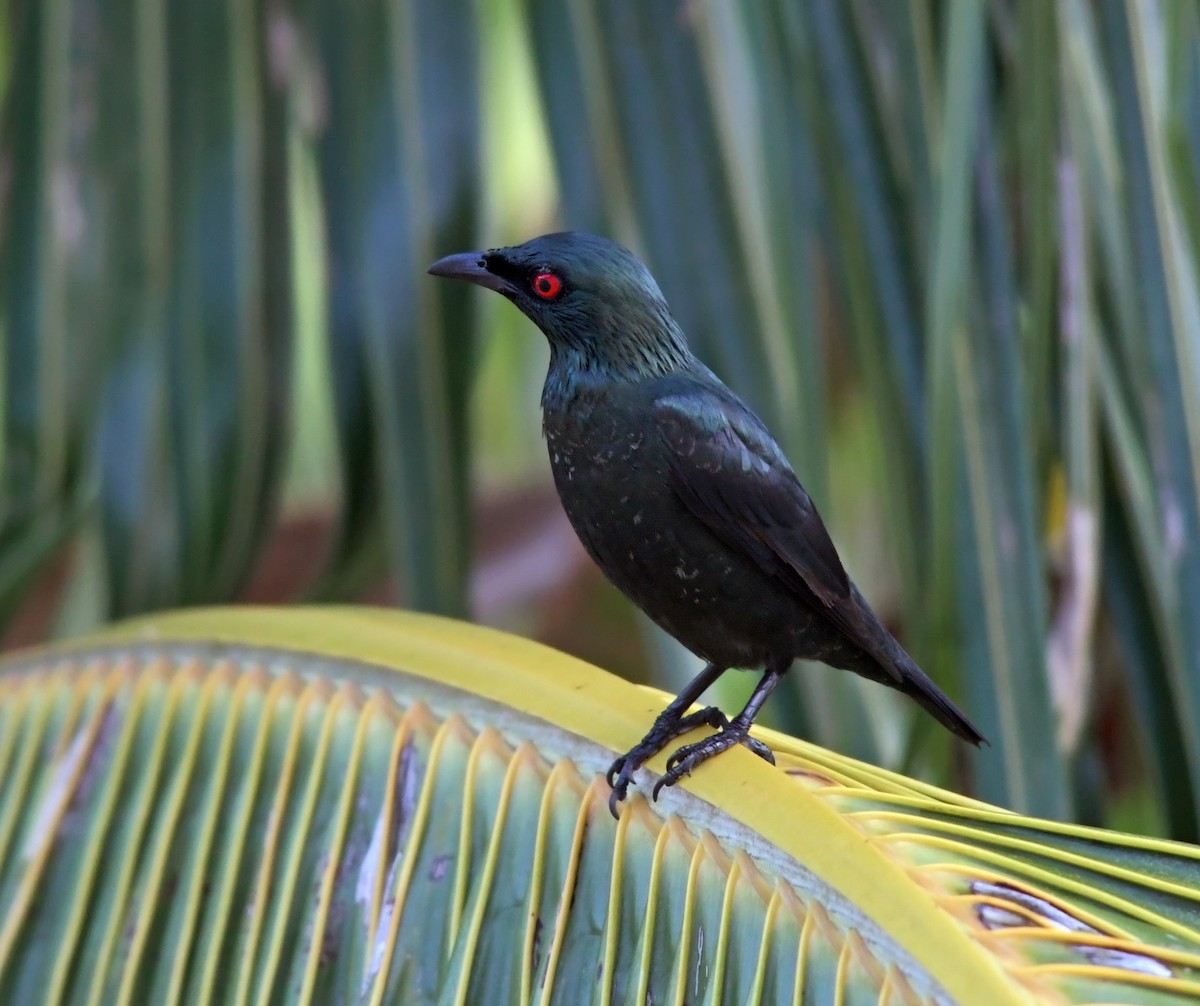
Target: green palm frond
x=318 y=805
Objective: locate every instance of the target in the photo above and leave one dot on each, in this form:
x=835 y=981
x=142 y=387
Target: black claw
x=760 y=749
x=614 y=801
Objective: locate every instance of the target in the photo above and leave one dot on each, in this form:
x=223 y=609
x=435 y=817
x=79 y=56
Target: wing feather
x=730 y=473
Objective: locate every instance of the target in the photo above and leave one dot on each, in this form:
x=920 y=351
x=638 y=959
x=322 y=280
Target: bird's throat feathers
x=619 y=348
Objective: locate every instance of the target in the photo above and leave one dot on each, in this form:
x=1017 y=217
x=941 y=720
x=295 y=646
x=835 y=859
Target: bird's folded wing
x=733 y=477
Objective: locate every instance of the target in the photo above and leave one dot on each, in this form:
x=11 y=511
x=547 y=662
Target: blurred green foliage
x=948 y=248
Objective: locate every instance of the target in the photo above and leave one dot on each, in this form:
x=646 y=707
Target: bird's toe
x=760 y=749
x=687 y=758
x=683 y=761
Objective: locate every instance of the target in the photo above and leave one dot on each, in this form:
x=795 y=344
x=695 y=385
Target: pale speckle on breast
x=632 y=443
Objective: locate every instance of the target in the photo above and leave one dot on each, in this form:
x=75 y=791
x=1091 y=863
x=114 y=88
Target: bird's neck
x=583 y=367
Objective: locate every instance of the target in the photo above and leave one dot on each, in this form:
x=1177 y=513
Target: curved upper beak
x=471 y=267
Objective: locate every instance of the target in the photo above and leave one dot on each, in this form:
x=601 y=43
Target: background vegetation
x=948 y=250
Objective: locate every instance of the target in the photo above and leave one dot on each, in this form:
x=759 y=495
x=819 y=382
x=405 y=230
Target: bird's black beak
x=471 y=266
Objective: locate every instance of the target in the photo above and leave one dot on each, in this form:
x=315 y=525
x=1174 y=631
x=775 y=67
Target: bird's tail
x=894 y=667
x=916 y=683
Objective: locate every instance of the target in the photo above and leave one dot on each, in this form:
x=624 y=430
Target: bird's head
x=596 y=302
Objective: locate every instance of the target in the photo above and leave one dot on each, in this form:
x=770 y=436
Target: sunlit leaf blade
x=1184 y=126
x=223 y=346
x=196 y=337
x=35 y=253
x=398 y=152
x=1033 y=125
x=1133 y=621
x=313 y=806
x=42 y=416
x=129 y=219
x=268 y=363
x=1159 y=342
x=1070 y=653
x=875 y=268
x=946 y=302
x=872 y=222
x=1136 y=570
x=587 y=155
x=1012 y=699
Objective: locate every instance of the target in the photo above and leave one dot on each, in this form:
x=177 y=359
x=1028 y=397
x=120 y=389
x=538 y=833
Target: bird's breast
x=612 y=481
x=613 y=478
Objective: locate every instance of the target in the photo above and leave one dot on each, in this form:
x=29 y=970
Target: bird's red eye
x=546 y=285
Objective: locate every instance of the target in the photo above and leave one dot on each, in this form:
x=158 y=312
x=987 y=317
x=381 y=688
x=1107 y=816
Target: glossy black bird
x=682 y=497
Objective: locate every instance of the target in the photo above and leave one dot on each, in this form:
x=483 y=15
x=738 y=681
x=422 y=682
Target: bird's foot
x=690 y=756
x=666 y=728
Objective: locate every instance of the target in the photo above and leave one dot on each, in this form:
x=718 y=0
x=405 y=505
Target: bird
x=683 y=498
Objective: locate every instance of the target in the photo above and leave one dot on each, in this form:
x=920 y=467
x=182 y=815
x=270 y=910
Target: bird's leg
x=688 y=757
x=671 y=723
